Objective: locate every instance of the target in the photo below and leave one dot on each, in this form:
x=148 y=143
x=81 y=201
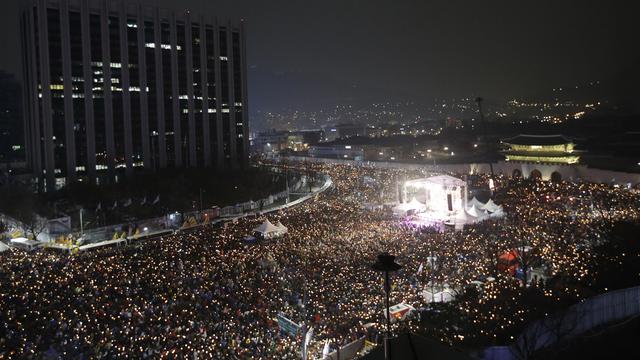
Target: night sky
x=312 y=54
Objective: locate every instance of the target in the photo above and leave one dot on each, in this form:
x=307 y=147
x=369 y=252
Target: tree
x=21 y=204
x=33 y=224
x=549 y=331
x=309 y=173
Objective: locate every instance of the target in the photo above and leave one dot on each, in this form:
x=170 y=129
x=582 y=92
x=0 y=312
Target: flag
x=144 y=201
x=115 y=205
x=326 y=350
x=307 y=340
x=99 y=207
x=127 y=202
x=156 y=200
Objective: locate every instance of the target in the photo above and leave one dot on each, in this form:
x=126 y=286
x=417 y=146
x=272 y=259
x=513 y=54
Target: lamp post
x=479 y=100
x=201 y=191
x=386 y=263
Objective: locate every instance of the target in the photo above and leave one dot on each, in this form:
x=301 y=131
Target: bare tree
x=550 y=331
x=33 y=224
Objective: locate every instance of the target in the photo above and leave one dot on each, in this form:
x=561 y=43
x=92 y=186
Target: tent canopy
x=498 y=213
x=283 y=229
x=3 y=247
x=477 y=203
x=266 y=228
x=461 y=216
x=476 y=212
x=492 y=206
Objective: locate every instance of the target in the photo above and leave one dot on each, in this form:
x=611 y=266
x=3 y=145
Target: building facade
x=544 y=149
x=115 y=86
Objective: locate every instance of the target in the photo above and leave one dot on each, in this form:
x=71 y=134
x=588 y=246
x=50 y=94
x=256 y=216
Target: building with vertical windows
x=111 y=87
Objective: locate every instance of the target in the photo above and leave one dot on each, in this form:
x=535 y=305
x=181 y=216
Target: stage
x=441 y=201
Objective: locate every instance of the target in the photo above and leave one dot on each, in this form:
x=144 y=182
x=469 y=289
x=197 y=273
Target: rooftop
x=523 y=139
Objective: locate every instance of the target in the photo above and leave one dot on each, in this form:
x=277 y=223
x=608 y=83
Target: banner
x=400 y=312
x=288 y=326
x=347 y=352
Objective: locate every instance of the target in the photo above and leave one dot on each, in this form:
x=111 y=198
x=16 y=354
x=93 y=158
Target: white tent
x=492 y=206
x=443 y=296
x=461 y=217
x=3 y=247
x=283 y=229
x=475 y=202
x=498 y=213
x=477 y=212
x=460 y=220
x=267 y=229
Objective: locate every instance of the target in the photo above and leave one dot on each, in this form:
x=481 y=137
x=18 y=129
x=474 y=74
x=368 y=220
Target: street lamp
x=386 y=263
x=81 y=225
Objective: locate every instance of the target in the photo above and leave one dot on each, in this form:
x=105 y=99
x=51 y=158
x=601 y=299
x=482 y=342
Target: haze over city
x=314 y=55
x=327 y=180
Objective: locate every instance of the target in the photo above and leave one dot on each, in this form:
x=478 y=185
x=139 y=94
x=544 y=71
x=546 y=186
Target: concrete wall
x=565 y=172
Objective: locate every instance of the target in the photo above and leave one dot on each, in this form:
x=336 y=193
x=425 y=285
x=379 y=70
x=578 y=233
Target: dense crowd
x=207 y=294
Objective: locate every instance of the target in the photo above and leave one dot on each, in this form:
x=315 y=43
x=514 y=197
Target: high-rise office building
x=113 y=86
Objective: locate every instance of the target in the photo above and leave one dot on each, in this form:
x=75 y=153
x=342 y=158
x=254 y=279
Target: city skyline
x=319 y=55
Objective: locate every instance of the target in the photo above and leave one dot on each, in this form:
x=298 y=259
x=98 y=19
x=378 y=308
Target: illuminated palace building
x=544 y=149
x=113 y=86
